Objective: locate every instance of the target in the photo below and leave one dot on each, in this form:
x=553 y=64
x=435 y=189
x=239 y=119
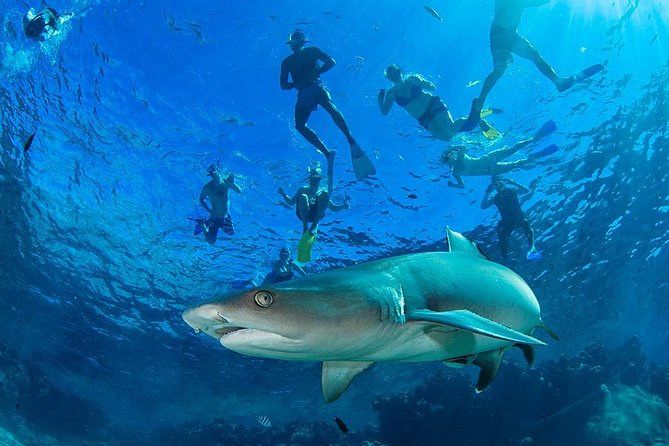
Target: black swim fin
x=578 y=77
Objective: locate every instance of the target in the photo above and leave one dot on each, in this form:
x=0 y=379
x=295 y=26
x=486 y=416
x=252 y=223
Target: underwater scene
x=334 y=223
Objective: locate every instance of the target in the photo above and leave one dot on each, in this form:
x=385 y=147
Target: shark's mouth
x=224 y=331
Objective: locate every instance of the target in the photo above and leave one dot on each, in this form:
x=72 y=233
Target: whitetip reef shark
x=456 y=306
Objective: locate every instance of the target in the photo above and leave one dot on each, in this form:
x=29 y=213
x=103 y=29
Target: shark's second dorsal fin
x=337 y=376
x=459 y=243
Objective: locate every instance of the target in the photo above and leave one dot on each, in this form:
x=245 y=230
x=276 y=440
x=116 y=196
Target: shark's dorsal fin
x=489 y=363
x=459 y=243
x=466 y=320
x=337 y=376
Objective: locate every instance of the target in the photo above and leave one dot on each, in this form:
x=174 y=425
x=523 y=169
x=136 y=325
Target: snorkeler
x=283 y=269
x=503 y=194
x=413 y=93
x=217 y=191
x=491 y=163
x=311 y=202
x=505 y=41
x=42 y=25
x=305 y=66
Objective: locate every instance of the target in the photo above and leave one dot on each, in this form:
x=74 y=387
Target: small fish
x=653 y=39
x=264 y=421
x=433 y=13
x=472 y=83
x=341 y=425
x=412 y=196
x=28 y=142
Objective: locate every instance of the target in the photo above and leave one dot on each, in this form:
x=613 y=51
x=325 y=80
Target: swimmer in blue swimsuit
x=311 y=202
x=216 y=191
x=505 y=41
x=305 y=66
x=414 y=94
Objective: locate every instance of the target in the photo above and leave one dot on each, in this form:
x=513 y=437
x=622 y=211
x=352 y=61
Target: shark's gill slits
x=227 y=330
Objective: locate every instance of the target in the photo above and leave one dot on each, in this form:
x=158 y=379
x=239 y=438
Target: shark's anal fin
x=337 y=376
x=528 y=352
x=466 y=320
x=489 y=363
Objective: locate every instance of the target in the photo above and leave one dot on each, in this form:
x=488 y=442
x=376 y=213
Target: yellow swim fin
x=486 y=112
x=489 y=131
x=305 y=246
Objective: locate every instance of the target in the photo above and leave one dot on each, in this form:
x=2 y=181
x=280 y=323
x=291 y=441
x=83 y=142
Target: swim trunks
x=503 y=42
x=310 y=97
x=435 y=107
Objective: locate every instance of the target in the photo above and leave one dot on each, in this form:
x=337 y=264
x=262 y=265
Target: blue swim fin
x=533 y=254
x=545 y=151
x=549 y=127
x=578 y=77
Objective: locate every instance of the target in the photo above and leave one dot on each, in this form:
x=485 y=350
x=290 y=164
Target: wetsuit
x=506 y=201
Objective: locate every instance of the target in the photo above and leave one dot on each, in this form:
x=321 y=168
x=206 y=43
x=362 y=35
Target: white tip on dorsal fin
x=459 y=243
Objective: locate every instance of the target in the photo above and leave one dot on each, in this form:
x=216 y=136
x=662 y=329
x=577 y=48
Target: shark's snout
x=206 y=318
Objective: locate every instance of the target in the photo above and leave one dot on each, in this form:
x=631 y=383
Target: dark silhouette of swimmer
x=305 y=66
x=503 y=194
x=283 y=269
x=217 y=191
x=505 y=41
x=41 y=25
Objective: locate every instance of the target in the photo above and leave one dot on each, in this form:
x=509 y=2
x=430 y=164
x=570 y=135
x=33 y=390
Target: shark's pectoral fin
x=466 y=320
x=528 y=352
x=337 y=376
x=489 y=363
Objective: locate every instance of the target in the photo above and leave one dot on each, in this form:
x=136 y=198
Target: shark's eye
x=264 y=298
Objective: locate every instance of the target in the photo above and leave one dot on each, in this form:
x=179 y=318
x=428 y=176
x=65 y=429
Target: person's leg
x=504 y=152
x=301 y=117
x=503 y=232
x=322 y=202
x=228 y=227
x=303 y=211
x=211 y=232
x=524 y=49
x=337 y=117
x=505 y=167
x=488 y=84
x=529 y=233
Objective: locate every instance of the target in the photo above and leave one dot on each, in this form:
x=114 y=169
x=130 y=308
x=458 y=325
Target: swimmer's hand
x=281 y=191
x=382 y=94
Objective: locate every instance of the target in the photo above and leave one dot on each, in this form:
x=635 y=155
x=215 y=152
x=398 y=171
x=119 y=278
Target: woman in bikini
x=413 y=93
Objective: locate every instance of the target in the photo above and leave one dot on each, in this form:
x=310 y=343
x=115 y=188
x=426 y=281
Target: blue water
x=132 y=101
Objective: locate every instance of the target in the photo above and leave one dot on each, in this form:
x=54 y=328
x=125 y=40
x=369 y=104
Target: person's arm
x=328 y=62
x=283 y=78
x=519 y=188
x=459 y=184
x=298 y=268
x=286 y=198
x=203 y=195
x=423 y=83
x=386 y=100
x=457 y=169
x=230 y=182
x=339 y=207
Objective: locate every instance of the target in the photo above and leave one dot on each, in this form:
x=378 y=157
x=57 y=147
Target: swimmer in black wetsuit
x=42 y=25
x=414 y=94
x=311 y=202
x=505 y=198
x=305 y=66
x=505 y=41
x=216 y=191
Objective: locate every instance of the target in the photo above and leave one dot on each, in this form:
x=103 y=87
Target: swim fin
x=549 y=150
x=486 y=112
x=488 y=131
x=533 y=254
x=549 y=127
x=578 y=77
x=362 y=165
x=305 y=246
x=29 y=142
